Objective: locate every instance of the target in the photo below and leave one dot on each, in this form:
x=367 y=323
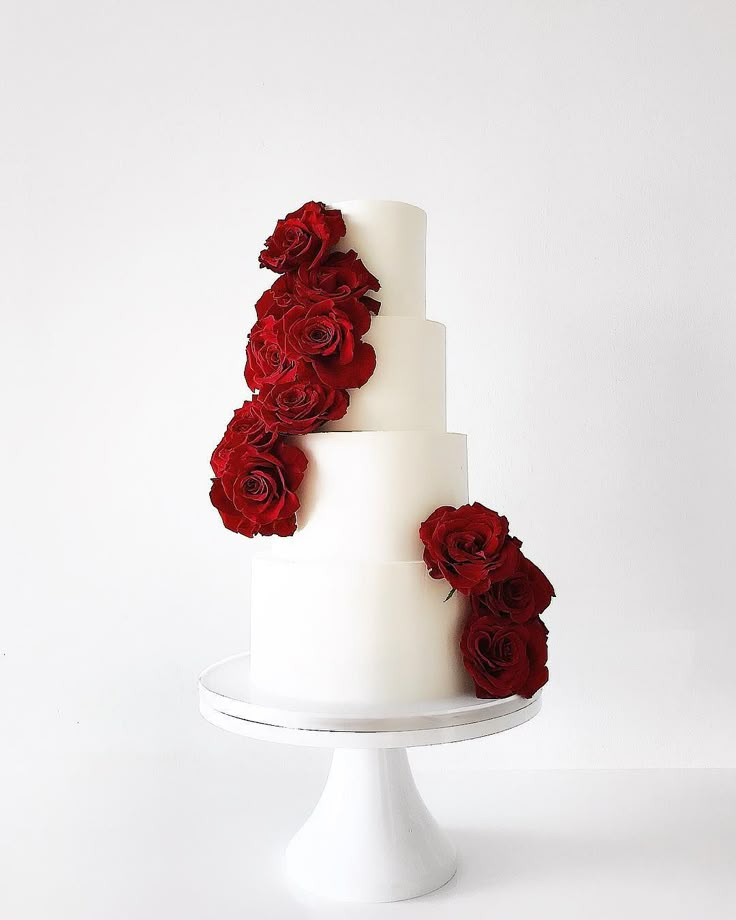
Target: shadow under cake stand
x=370 y=837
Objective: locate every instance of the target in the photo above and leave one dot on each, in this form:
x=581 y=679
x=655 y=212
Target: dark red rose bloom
x=302 y=237
x=245 y=427
x=342 y=276
x=237 y=522
x=298 y=408
x=257 y=490
x=279 y=298
x=522 y=596
x=266 y=362
x=469 y=546
x=327 y=336
x=504 y=657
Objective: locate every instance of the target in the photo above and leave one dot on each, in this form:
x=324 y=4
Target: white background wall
x=576 y=161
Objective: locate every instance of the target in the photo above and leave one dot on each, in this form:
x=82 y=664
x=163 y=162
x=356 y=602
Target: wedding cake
x=345 y=610
x=340 y=456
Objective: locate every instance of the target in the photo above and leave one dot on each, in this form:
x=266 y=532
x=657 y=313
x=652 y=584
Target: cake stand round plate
x=370 y=837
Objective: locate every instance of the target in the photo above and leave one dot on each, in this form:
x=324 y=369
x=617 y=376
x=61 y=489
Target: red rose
x=342 y=276
x=265 y=359
x=298 y=408
x=327 y=336
x=235 y=521
x=504 y=657
x=522 y=596
x=245 y=427
x=257 y=490
x=302 y=237
x=469 y=546
x=279 y=298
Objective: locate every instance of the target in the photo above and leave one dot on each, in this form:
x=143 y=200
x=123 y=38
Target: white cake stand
x=370 y=837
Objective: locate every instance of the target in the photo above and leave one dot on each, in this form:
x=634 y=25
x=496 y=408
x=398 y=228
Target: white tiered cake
x=345 y=610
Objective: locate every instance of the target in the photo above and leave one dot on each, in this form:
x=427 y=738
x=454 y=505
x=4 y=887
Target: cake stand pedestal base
x=370 y=837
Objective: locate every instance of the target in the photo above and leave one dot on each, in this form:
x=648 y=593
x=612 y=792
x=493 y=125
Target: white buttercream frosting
x=390 y=239
x=365 y=493
x=354 y=631
x=407 y=389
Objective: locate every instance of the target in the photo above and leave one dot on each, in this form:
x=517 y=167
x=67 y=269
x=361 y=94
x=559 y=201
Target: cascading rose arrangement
x=304 y=353
x=504 y=641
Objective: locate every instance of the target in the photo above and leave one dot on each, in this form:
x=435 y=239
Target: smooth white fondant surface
x=354 y=631
x=390 y=238
x=407 y=389
x=365 y=493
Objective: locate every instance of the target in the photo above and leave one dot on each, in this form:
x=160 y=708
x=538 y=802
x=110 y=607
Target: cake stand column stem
x=370 y=837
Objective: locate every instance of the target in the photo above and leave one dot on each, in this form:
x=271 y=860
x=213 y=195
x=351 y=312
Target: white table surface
x=142 y=837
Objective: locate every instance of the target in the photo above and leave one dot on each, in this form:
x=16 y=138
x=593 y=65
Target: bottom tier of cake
x=354 y=632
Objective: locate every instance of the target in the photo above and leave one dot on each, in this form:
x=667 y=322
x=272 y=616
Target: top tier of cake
x=390 y=238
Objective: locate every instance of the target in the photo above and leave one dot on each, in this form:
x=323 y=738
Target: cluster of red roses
x=504 y=642
x=304 y=353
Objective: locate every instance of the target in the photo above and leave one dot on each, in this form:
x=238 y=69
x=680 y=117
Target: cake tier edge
x=407 y=389
x=390 y=239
